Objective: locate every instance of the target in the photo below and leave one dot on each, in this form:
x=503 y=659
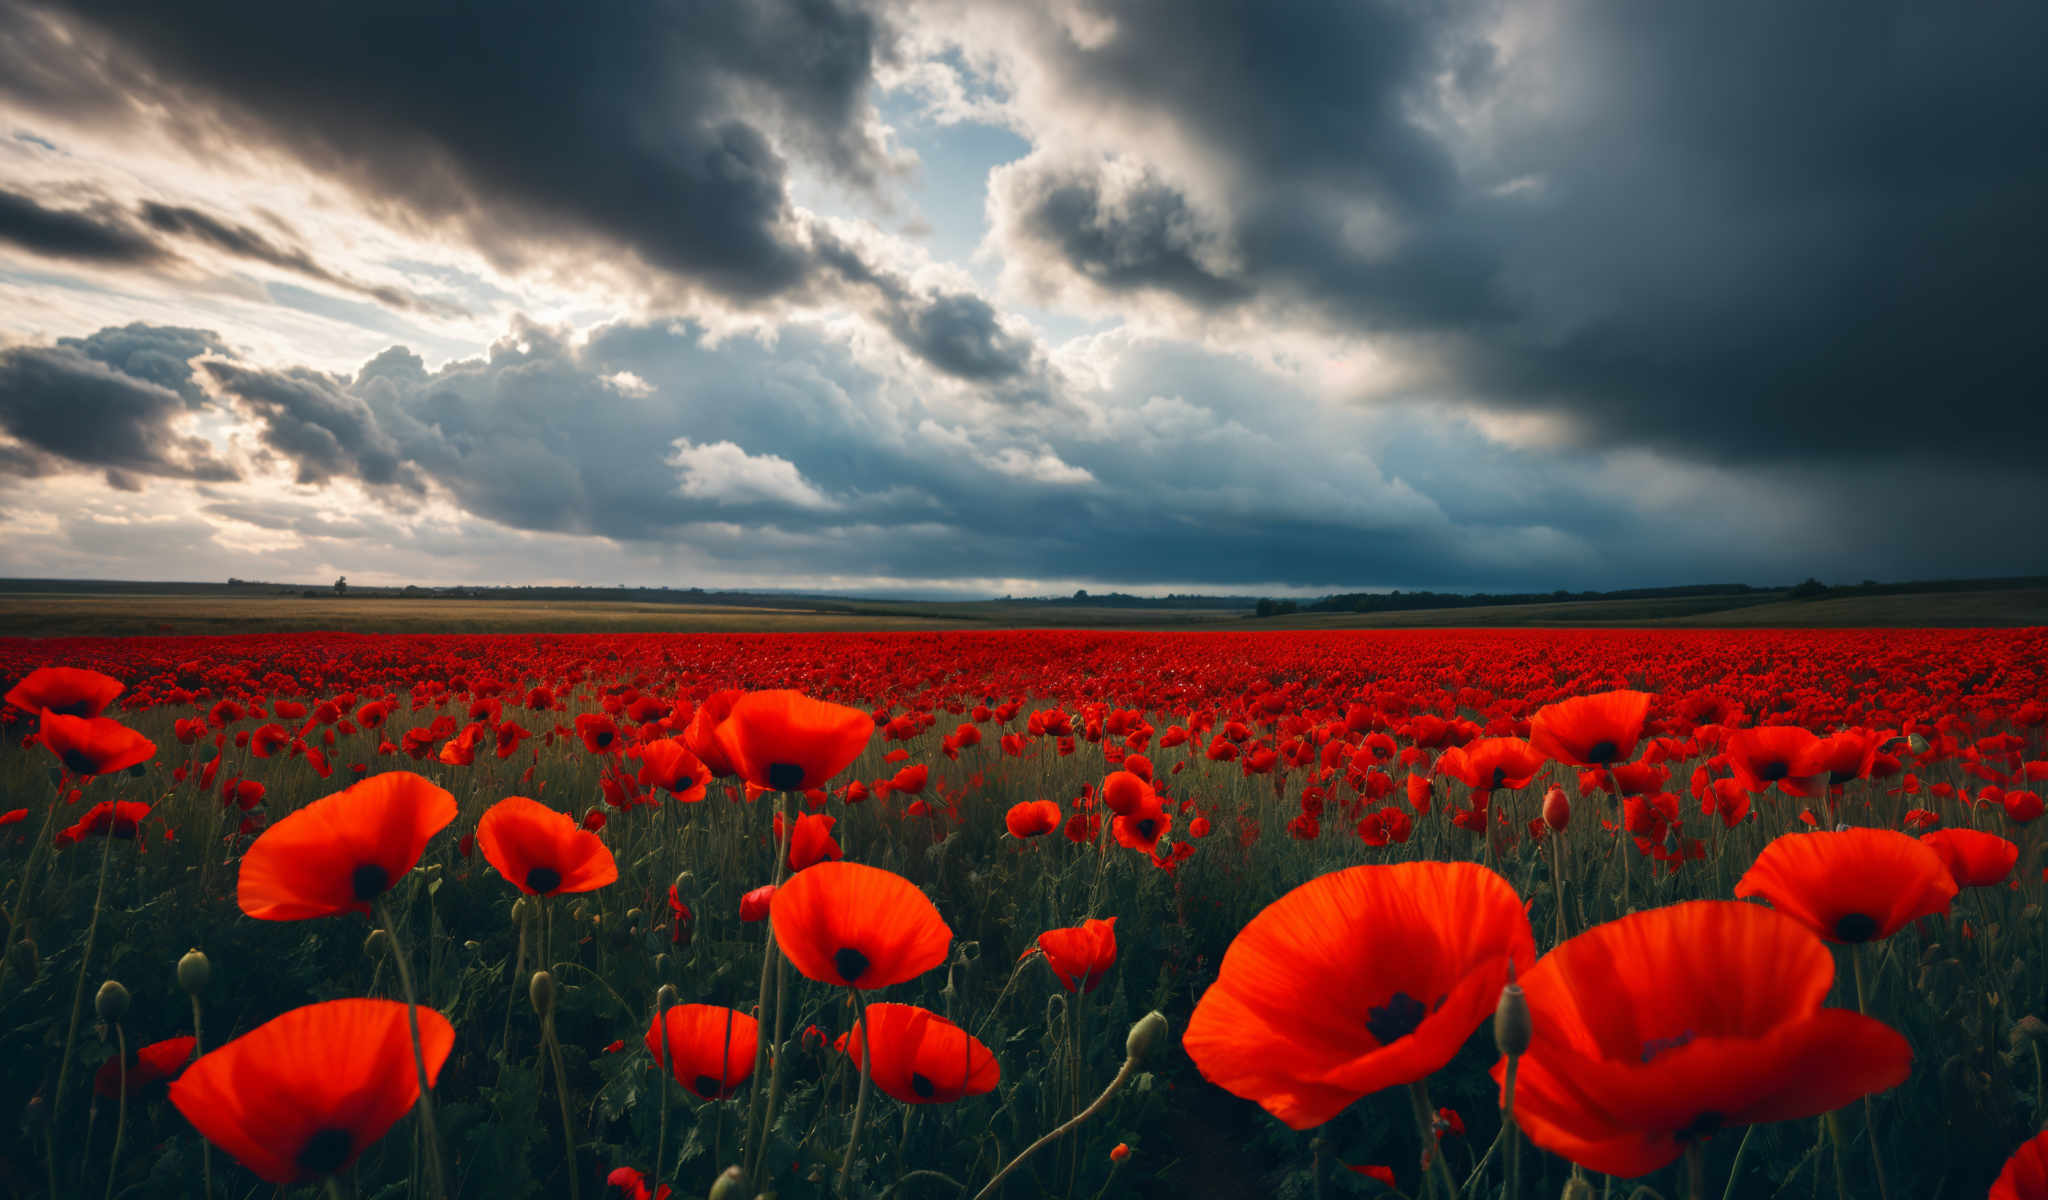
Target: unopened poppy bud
x=112 y=1002
x=377 y=943
x=1146 y=1036
x=666 y=998
x=519 y=907
x=193 y=972
x=541 y=991
x=1916 y=743
x=1557 y=808
x=731 y=1184
x=633 y=916
x=1512 y=1028
x=1577 y=1189
x=684 y=883
x=2028 y=1031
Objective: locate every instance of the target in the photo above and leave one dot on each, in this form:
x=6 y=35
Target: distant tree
x=1808 y=589
x=341 y=586
x=1080 y=593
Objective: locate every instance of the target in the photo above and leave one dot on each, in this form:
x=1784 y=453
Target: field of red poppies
x=1449 y=913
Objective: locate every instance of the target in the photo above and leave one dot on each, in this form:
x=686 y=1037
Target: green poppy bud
x=193 y=972
x=1146 y=1037
x=112 y=1002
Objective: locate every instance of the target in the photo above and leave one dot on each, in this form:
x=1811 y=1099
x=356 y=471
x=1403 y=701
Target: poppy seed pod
x=1146 y=1036
x=112 y=1001
x=1512 y=1027
x=541 y=991
x=377 y=942
x=194 y=970
x=731 y=1184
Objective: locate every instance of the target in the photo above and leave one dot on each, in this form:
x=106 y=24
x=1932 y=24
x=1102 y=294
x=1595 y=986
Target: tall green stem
x=120 y=1108
x=78 y=993
x=867 y=1083
x=419 y=1057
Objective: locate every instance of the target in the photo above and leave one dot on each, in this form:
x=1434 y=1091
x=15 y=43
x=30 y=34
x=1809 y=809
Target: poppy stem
x=867 y=1084
x=92 y=928
x=120 y=1107
x=15 y=921
x=1695 y=1172
x=662 y=1060
x=1869 y=1109
x=781 y=977
x=1418 y=1099
x=205 y=1147
x=419 y=1058
x=1116 y=1085
x=547 y=1033
x=1509 y=1131
x=1735 y=1170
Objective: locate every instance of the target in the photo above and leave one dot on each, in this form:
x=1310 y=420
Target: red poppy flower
x=1124 y=791
x=148 y=1066
x=2023 y=808
x=857 y=926
x=710 y=1049
x=2026 y=1173
x=1490 y=763
x=1083 y=954
x=599 y=732
x=789 y=742
x=1143 y=826
x=625 y=1183
x=1774 y=754
x=668 y=764
x=108 y=818
x=1658 y=1029
x=1591 y=731
x=301 y=1096
x=1359 y=980
x=93 y=745
x=811 y=842
x=543 y=852
x=66 y=691
x=1850 y=885
x=702 y=732
x=342 y=851
x=13 y=816
x=1032 y=818
x=755 y=904
x=1846 y=755
x=1975 y=858
x=921 y=1057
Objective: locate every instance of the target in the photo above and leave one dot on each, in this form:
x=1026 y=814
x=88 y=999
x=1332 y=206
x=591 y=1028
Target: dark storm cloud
x=1736 y=232
x=157 y=354
x=64 y=408
x=644 y=125
x=244 y=242
x=100 y=234
x=312 y=420
x=658 y=129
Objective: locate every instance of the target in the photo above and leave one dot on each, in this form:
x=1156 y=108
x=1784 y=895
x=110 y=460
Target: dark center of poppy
x=924 y=1088
x=850 y=963
x=1500 y=776
x=1603 y=752
x=785 y=777
x=543 y=880
x=707 y=1086
x=602 y=738
x=1838 y=778
x=370 y=881
x=1772 y=772
x=77 y=708
x=1702 y=1127
x=325 y=1151
x=1395 y=1019
x=80 y=762
x=1856 y=927
x=1145 y=827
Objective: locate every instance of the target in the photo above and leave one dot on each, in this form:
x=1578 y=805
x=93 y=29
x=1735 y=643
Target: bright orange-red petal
x=1591 y=731
x=1668 y=1025
x=1850 y=885
x=543 y=852
x=271 y=1096
x=789 y=742
x=922 y=1058
x=2025 y=1176
x=1359 y=980
x=326 y=857
x=710 y=1049
x=1974 y=858
x=857 y=926
x=67 y=691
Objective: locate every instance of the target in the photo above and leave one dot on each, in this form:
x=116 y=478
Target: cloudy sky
x=982 y=296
